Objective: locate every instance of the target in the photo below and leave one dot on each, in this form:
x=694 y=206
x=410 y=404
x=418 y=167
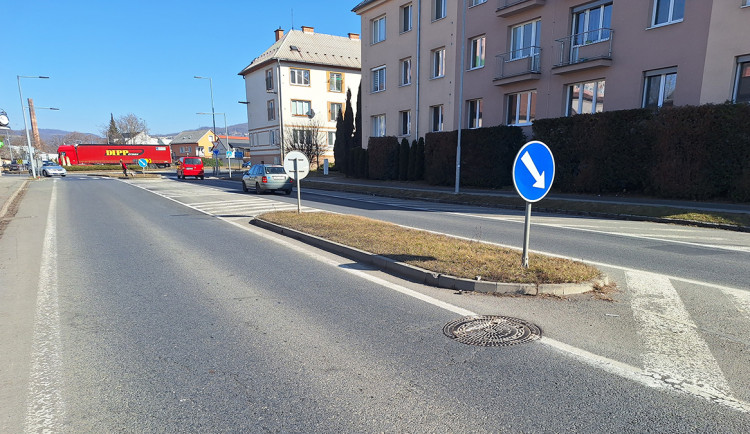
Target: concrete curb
x=431 y=278
x=11 y=199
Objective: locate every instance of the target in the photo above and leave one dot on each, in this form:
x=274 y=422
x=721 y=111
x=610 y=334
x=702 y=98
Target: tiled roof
x=313 y=48
x=186 y=137
x=361 y=4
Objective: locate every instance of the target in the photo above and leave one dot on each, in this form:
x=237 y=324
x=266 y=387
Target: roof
x=186 y=137
x=362 y=4
x=313 y=48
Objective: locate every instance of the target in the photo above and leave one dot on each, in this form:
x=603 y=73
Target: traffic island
x=435 y=259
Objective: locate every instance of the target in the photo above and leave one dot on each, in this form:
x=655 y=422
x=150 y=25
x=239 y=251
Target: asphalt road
x=140 y=312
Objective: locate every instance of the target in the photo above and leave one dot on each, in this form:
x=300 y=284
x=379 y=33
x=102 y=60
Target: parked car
x=267 y=177
x=14 y=167
x=50 y=168
x=247 y=164
x=190 y=166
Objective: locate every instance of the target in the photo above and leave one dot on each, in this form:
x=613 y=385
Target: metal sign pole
x=526 y=228
x=296 y=177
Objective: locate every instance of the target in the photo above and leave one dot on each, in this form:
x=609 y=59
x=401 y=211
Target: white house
x=298 y=86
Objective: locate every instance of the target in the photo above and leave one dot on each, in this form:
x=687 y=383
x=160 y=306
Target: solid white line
x=45 y=408
x=615 y=367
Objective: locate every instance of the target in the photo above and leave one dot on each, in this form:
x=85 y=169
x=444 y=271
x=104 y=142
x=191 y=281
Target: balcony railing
x=586 y=46
x=518 y=62
x=507 y=8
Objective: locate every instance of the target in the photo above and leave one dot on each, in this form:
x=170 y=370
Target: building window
x=475 y=113
x=592 y=24
x=334 y=108
x=378 y=126
x=378 y=79
x=438 y=9
x=438 y=63
x=405 y=77
x=300 y=107
x=436 y=118
x=378 y=30
x=586 y=98
x=473 y=3
x=742 y=85
x=668 y=11
x=477 y=53
x=269 y=79
x=272 y=137
x=405 y=123
x=659 y=87
x=524 y=40
x=406 y=18
x=521 y=108
x=271 y=108
x=300 y=77
x=331 y=139
x=302 y=136
x=335 y=82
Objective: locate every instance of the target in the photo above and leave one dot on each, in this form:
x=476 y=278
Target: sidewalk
x=10 y=186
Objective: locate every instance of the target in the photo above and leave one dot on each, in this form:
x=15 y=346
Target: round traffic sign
x=142 y=162
x=296 y=160
x=533 y=171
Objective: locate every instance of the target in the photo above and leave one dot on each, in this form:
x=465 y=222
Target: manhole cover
x=492 y=331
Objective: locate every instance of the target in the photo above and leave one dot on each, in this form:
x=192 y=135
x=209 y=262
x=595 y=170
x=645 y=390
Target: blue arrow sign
x=142 y=162
x=533 y=171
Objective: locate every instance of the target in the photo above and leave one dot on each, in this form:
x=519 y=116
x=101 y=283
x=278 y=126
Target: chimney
x=37 y=141
x=354 y=36
x=306 y=29
x=279 y=33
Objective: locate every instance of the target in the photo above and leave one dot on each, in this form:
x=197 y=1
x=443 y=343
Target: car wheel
x=257 y=189
x=244 y=187
x=288 y=192
x=63 y=175
x=201 y=177
x=45 y=174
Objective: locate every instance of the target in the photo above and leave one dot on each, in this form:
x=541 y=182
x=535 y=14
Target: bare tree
x=124 y=129
x=306 y=138
x=76 y=137
x=130 y=126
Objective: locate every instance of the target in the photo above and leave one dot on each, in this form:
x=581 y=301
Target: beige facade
x=532 y=59
x=299 y=84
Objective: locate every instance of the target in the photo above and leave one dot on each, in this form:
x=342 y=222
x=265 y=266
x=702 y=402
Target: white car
x=52 y=169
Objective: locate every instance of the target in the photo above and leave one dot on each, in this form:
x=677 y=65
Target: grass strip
x=549 y=205
x=433 y=252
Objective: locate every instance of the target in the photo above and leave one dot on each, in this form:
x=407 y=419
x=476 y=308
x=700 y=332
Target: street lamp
x=226 y=133
x=25 y=122
x=213 y=114
x=30 y=111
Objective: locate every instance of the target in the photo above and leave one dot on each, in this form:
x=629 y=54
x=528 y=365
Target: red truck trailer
x=72 y=155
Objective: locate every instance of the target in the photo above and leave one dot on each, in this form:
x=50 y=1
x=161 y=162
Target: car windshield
x=273 y=170
x=192 y=161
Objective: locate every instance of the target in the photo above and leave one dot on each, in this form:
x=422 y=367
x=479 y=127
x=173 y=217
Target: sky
x=141 y=56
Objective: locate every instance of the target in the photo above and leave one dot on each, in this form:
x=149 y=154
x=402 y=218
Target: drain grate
x=492 y=331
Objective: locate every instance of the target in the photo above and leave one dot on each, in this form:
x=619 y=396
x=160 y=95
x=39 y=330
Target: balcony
x=585 y=50
x=517 y=66
x=508 y=8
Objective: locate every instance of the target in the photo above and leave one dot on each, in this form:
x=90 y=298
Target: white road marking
x=45 y=409
x=714 y=392
x=675 y=351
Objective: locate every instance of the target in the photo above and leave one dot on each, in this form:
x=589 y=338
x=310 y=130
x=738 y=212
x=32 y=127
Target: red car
x=190 y=166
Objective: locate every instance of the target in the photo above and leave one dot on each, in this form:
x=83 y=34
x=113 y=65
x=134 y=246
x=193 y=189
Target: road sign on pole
x=297 y=166
x=533 y=173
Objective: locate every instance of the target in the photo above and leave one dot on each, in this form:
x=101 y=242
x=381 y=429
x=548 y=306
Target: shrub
x=383 y=158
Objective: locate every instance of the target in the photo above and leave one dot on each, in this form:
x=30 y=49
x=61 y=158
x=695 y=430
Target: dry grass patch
x=438 y=253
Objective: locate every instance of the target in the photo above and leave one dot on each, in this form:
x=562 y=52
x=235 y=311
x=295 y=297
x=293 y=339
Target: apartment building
x=520 y=60
x=295 y=90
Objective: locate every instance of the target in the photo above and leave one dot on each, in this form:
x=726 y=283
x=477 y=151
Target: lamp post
x=226 y=134
x=31 y=113
x=213 y=114
x=25 y=122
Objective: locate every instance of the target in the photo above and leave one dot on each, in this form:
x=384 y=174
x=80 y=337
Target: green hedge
x=383 y=158
x=689 y=152
x=486 y=156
